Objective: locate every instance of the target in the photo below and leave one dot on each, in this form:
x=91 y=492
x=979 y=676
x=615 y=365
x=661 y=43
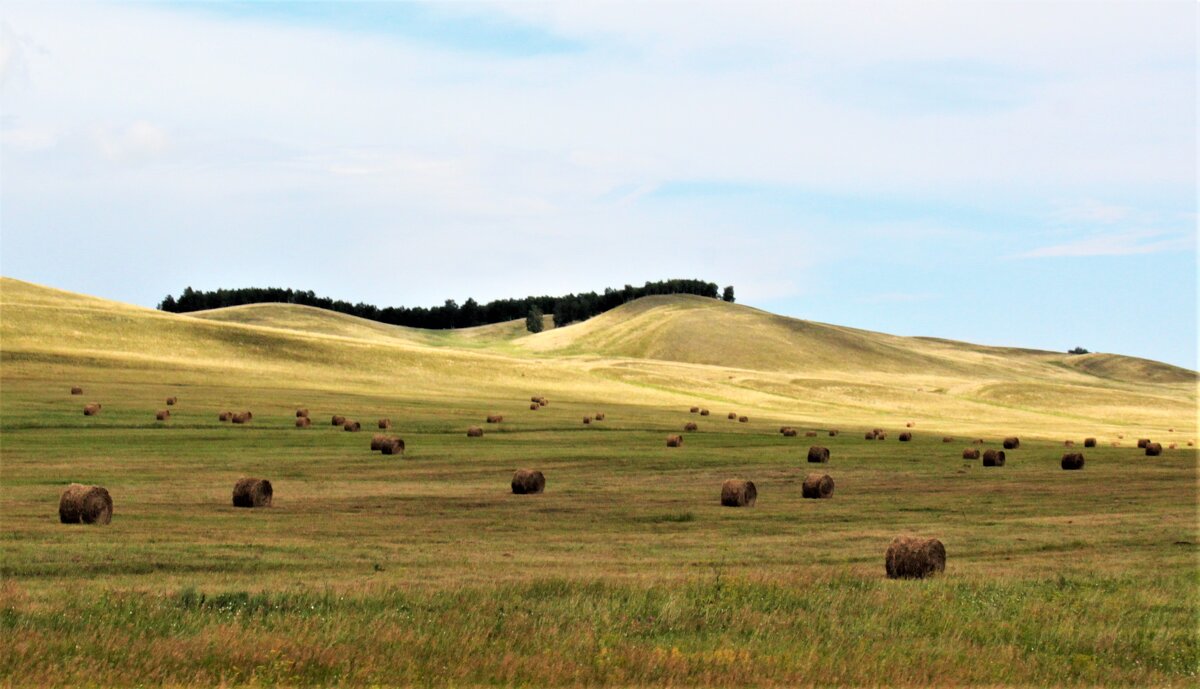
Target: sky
x=1015 y=173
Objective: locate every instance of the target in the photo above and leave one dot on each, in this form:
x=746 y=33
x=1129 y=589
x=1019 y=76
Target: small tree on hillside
x=727 y=295
x=533 y=322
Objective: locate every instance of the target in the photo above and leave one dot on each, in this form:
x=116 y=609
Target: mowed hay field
x=426 y=569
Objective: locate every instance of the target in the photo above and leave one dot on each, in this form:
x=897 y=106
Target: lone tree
x=533 y=322
x=1078 y=350
x=727 y=295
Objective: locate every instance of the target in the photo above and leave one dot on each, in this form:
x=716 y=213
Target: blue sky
x=1004 y=173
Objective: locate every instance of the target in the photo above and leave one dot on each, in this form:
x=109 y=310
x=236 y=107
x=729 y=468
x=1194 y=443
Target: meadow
x=425 y=569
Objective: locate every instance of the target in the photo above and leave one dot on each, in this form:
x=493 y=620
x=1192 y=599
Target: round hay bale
x=818 y=454
x=1142 y=443
x=833 y=433
x=240 y=417
x=743 y=419
x=171 y=401
x=535 y=399
x=600 y=416
x=252 y=492
x=869 y=435
x=1012 y=443
x=377 y=441
x=1089 y=442
x=393 y=446
x=303 y=422
x=817 y=486
x=881 y=435
x=352 y=426
x=1068 y=443
x=732 y=415
x=301 y=413
x=494 y=418
x=528 y=482
x=80 y=504
x=784 y=429
x=905 y=437
x=1153 y=449
x=543 y=401
x=910 y=424
x=1172 y=446
x=993 y=458
x=91 y=409
x=810 y=434
x=76 y=390
x=534 y=406
x=338 y=420
x=587 y=420
x=970 y=453
x=385 y=424
x=474 y=432
x=704 y=412
x=1121 y=436
x=947 y=439
x=162 y=415
x=694 y=410
x=791 y=433
x=674 y=440
x=914 y=558
x=225 y=416
x=1072 y=461
x=691 y=426
x=738 y=493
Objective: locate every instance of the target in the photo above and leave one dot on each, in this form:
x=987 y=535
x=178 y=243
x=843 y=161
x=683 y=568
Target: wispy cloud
x=1116 y=244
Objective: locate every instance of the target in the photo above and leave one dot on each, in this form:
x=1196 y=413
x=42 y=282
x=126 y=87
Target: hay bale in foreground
x=494 y=418
x=994 y=458
x=301 y=413
x=91 y=409
x=738 y=493
x=303 y=422
x=704 y=412
x=528 y=482
x=80 y=504
x=162 y=415
x=474 y=432
x=385 y=424
x=1142 y=443
x=1072 y=461
x=970 y=453
x=392 y=446
x=674 y=440
x=76 y=390
x=1153 y=449
x=1089 y=442
x=1012 y=443
x=905 y=437
x=818 y=454
x=171 y=401
x=914 y=558
x=817 y=486
x=338 y=420
x=352 y=426
x=691 y=426
x=252 y=492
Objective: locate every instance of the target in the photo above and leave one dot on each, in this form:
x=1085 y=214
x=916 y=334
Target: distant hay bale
x=162 y=415
x=738 y=493
x=914 y=558
x=784 y=429
x=881 y=435
x=600 y=416
x=377 y=441
x=905 y=437
x=790 y=433
x=494 y=418
x=1170 y=430
x=249 y=415
x=385 y=424
x=392 y=446
x=743 y=419
x=301 y=413
x=674 y=440
x=171 y=401
x=1172 y=446
x=76 y=390
x=1142 y=443
x=833 y=432
x=1121 y=436
x=817 y=486
x=993 y=458
x=539 y=400
x=80 y=504
x=225 y=416
x=352 y=426
x=869 y=435
x=240 y=417
x=910 y=424
x=978 y=441
x=970 y=453
x=338 y=420
x=1072 y=461
x=528 y=482
x=303 y=422
x=1012 y=443
x=587 y=420
x=252 y=492
x=91 y=409
x=474 y=432
x=704 y=412
x=818 y=454
x=534 y=406
x=1089 y=442
x=1153 y=449
x=947 y=439
x=810 y=434
x=732 y=415
x=1068 y=443
x=691 y=426
x=694 y=410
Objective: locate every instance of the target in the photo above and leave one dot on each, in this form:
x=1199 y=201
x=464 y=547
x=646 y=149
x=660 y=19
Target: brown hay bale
x=474 y=432
x=694 y=410
x=171 y=401
x=539 y=400
x=385 y=424
x=162 y=415
x=914 y=558
x=978 y=441
x=881 y=435
x=910 y=424
x=1072 y=461
x=303 y=422
x=240 y=417
x=534 y=406
x=810 y=434
x=1142 y=443
x=784 y=429
x=377 y=441
x=1172 y=446
x=80 y=504
x=225 y=416
x=732 y=415
x=1170 y=430
x=878 y=432
x=817 y=486
x=947 y=439
x=970 y=453
x=1121 y=436
x=338 y=420
x=1089 y=442
x=252 y=492
x=600 y=416
x=1153 y=449
x=301 y=413
x=674 y=440
x=704 y=412
x=76 y=390
x=993 y=458
x=738 y=493
x=393 y=446
x=691 y=426
x=1190 y=443
x=1068 y=443
x=535 y=399
x=494 y=418
x=905 y=437
x=587 y=420
x=833 y=432
x=818 y=454
x=1012 y=443
x=528 y=482
x=743 y=419
x=91 y=409
x=790 y=433
x=869 y=435
x=352 y=426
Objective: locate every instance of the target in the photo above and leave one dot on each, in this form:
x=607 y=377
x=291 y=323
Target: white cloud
x=1129 y=243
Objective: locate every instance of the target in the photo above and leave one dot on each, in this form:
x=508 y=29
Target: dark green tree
x=727 y=295
x=533 y=322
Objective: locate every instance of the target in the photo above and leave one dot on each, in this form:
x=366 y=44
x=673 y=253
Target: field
x=425 y=569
